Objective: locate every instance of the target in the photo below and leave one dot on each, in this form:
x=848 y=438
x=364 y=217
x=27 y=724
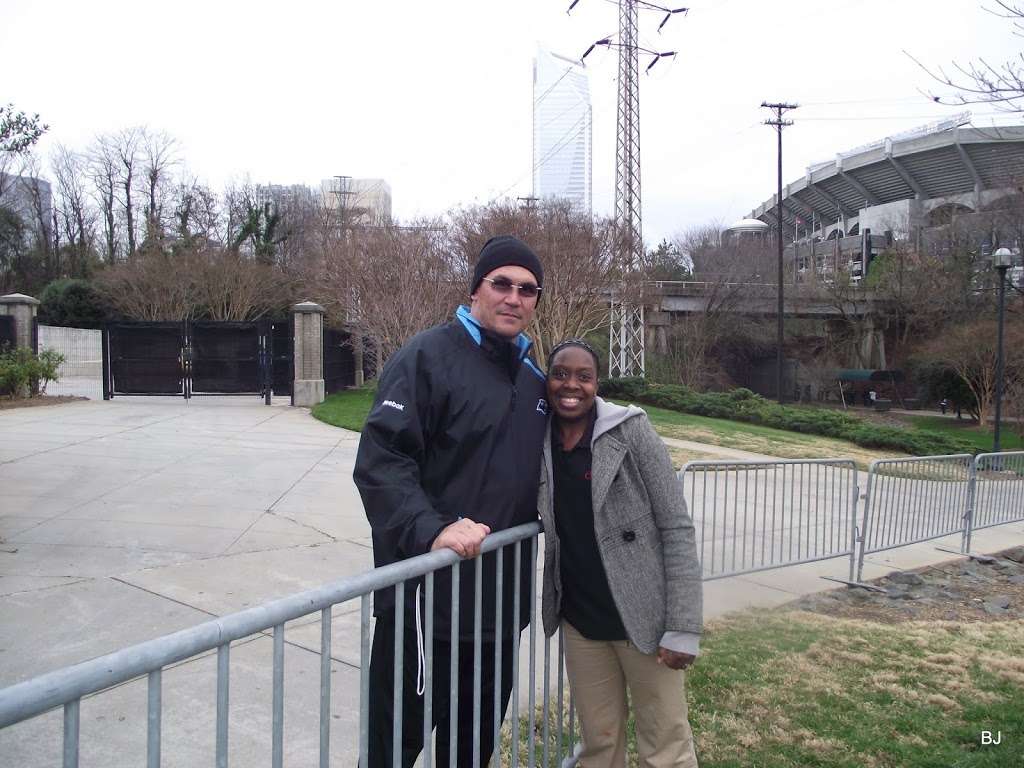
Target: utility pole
x=626 y=338
x=779 y=108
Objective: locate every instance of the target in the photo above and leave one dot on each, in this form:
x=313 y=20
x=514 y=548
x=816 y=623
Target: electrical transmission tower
x=626 y=337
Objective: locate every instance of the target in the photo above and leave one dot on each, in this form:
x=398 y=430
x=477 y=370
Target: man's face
x=505 y=313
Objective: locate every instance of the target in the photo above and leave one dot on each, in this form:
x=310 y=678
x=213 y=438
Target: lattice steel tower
x=626 y=328
x=626 y=331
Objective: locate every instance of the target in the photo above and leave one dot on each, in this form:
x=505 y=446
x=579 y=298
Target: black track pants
x=382 y=669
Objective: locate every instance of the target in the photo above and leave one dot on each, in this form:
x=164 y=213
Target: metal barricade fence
x=913 y=500
x=748 y=516
x=754 y=515
x=67 y=687
x=997 y=492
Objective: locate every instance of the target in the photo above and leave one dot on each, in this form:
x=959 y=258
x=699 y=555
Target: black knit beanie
x=501 y=251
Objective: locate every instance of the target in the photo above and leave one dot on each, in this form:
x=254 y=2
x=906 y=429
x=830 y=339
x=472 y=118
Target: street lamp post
x=1001 y=260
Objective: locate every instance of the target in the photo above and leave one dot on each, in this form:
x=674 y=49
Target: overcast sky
x=435 y=97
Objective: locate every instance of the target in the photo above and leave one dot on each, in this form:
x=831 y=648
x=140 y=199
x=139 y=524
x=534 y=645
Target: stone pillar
x=357 y=355
x=308 y=387
x=23 y=308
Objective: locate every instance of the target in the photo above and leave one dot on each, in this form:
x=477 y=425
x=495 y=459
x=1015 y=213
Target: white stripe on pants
x=600 y=673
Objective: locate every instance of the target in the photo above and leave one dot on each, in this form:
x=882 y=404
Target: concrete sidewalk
x=127 y=520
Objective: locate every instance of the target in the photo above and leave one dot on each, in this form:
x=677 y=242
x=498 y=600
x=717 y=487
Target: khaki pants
x=599 y=673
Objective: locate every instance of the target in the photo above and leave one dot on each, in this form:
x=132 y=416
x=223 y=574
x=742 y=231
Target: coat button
x=629 y=535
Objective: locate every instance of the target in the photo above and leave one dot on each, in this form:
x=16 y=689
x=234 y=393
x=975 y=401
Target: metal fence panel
x=998 y=489
x=81 y=373
x=915 y=499
x=754 y=515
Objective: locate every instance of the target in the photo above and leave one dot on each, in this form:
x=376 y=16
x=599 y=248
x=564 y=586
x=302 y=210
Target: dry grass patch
x=789 y=445
x=796 y=688
x=792 y=688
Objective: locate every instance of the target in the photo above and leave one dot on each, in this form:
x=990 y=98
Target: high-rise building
x=562 y=129
x=368 y=201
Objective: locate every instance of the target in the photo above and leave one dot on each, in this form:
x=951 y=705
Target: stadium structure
x=913 y=185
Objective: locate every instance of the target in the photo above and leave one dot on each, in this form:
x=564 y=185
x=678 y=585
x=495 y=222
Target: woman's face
x=572 y=383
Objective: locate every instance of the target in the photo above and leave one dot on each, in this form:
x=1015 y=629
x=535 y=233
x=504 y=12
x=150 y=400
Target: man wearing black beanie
x=450 y=452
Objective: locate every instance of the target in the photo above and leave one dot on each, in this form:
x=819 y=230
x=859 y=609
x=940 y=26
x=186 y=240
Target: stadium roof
x=940 y=164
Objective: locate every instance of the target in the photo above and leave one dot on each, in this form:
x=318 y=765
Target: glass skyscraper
x=562 y=129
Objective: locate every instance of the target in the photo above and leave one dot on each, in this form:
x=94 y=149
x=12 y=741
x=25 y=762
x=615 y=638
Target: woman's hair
x=575 y=343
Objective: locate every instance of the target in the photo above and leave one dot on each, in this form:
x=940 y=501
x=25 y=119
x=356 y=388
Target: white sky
x=435 y=97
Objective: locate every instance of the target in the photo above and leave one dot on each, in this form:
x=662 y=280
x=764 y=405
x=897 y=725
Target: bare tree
x=727 y=274
x=969 y=350
x=41 y=224
x=155 y=286
x=74 y=214
x=102 y=169
x=390 y=283
x=126 y=147
x=582 y=266
x=982 y=81
x=203 y=282
x=159 y=156
x=227 y=286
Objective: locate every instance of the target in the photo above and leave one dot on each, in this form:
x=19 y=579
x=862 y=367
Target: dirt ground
x=39 y=400
x=960 y=590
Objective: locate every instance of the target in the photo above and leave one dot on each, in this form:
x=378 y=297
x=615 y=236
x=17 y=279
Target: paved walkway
x=127 y=520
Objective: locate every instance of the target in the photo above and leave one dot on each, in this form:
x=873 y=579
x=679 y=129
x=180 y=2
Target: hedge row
x=744 y=405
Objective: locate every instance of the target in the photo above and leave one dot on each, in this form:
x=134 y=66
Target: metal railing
x=754 y=515
x=748 y=516
x=69 y=686
x=998 y=490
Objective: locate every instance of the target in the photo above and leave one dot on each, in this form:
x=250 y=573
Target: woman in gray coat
x=621 y=574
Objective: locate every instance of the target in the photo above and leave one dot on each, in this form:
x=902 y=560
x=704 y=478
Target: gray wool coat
x=644 y=534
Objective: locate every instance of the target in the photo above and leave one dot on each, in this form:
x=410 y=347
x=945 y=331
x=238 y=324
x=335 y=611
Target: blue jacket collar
x=472 y=326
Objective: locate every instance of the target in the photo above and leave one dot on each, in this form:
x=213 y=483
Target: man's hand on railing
x=464 y=536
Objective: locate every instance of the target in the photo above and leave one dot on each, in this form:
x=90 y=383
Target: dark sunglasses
x=504 y=286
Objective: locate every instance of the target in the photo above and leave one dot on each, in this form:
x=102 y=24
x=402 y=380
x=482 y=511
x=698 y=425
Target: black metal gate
x=339 y=361
x=145 y=359
x=8 y=333
x=197 y=358
x=225 y=358
x=282 y=340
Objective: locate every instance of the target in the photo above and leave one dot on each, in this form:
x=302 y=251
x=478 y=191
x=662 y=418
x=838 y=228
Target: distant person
x=621 y=574
x=872 y=397
x=943 y=405
x=450 y=452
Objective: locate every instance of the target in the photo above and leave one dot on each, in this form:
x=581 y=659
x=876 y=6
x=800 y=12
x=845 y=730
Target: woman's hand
x=675 y=659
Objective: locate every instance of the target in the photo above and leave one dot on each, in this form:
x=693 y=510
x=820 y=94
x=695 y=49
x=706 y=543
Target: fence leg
x=972 y=486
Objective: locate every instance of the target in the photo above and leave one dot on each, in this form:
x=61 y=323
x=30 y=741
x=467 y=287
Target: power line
x=560 y=144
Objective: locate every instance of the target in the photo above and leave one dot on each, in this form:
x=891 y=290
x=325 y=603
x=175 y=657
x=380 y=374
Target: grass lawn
x=790 y=688
x=347 y=409
x=980 y=438
x=757 y=439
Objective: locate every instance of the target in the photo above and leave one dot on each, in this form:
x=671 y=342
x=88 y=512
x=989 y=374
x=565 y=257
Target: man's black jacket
x=455 y=431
